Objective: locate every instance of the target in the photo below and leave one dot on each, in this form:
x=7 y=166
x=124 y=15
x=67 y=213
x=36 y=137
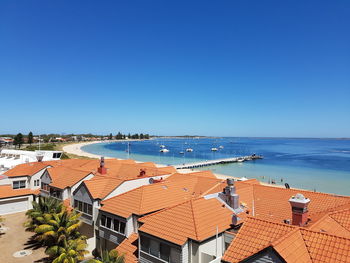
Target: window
x=164 y=252
x=83 y=207
x=36 y=182
x=122 y=228
x=19 y=184
x=109 y=222
x=45 y=187
x=145 y=244
x=89 y=211
x=154 y=248
x=175 y=255
x=116 y=225
x=103 y=220
x=113 y=224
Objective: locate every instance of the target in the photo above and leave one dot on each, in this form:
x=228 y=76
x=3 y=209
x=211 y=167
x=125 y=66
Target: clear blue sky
x=226 y=68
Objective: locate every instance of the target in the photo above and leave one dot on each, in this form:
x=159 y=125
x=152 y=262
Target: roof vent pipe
x=232 y=199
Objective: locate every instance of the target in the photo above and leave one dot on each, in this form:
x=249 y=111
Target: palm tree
x=57 y=231
x=44 y=206
x=109 y=257
x=73 y=251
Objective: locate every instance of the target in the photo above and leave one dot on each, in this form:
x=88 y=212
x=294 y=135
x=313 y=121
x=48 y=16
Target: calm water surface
x=315 y=164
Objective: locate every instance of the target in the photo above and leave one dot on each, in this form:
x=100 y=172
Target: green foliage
x=60 y=233
x=72 y=252
x=30 y=138
x=110 y=137
x=18 y=140
x=40 y=211
x=109 y=257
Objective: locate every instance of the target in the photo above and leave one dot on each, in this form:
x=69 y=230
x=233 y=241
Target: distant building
x=10 y=158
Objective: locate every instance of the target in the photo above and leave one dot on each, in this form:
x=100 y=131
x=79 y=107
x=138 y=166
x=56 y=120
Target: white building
x=11 y=158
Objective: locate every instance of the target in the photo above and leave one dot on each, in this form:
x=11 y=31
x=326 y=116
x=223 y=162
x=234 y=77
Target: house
x=16 y=200
x=125 y=209
x=61 y=181
x=264 y=241
x=112 y=179
x=193 y=231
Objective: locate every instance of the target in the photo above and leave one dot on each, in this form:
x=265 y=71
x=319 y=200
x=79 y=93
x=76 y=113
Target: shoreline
x=75 y=149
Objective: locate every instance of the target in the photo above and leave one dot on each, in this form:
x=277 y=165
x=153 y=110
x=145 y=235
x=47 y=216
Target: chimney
x=299 y=209
x=232 y=199
x=102 y=169
x=142 y=172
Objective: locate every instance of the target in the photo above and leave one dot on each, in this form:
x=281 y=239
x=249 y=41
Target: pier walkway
x=218 y=161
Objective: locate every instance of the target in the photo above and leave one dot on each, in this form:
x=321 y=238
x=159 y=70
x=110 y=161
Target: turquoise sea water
x=314 y=164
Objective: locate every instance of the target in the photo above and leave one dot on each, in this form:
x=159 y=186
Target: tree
x=110 y=137
x=30 y=138
x=109 y=257
x=72 y=251
x=119 y=136
x=57 y=229
x=36 y=215
x=141 y=136
x=18 y=140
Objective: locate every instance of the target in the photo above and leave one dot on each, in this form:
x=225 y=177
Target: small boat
x=214 y=149
x=189 y=150
x=240 y=160
x=181 y=153
x=162 y=146
x=221 y=147
x=164 y=150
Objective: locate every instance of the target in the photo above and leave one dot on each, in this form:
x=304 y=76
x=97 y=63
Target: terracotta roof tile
x=6 y=191
x=63 y=177
x=100 y=186
x=292 y=243
x=271 y=203
x=27 y=169
x=254 y=236
x=195 y=219
x=128 y=248
x=150 y=198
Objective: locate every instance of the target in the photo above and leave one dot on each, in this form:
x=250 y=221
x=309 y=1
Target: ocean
x=321 y=165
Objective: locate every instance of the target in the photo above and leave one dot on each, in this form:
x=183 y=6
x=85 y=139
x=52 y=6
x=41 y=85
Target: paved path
x=16 y=239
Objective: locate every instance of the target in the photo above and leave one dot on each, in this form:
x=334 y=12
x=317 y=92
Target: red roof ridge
x=194 y=221
x=216 y=185
x=165 y=209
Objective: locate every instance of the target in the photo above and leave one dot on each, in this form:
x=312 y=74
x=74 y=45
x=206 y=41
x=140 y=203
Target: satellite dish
x=151 y=180
x=286 y=185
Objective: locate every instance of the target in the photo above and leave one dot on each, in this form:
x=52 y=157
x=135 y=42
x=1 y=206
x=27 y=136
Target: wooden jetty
x=218 y=161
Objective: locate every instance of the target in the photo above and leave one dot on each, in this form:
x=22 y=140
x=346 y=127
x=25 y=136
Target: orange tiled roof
x=27 y=169
x=254 y=235
x=7 y=191
x=150 y=198
x=335 y=223
x=128 y=248
x=271 y=203
x=63 y=176
x=100 y=186
x=197 y=219
x=292 y=243
x=182 y=176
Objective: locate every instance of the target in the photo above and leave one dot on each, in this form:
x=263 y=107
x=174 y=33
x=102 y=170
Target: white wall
x=9 y=180
x=19 y=198
x=132 y=184
x=209 y=247
x=36 y=177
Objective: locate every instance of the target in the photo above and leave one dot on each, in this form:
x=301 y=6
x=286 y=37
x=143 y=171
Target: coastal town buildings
x=155 y=214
